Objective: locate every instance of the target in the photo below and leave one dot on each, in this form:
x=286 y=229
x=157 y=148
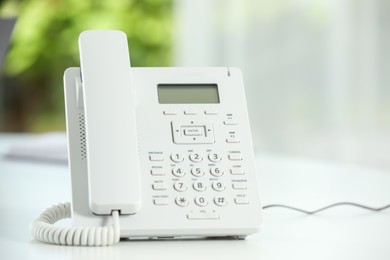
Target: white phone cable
x=43 y=229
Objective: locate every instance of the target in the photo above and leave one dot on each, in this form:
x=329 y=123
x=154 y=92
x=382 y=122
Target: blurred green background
x=44 y=44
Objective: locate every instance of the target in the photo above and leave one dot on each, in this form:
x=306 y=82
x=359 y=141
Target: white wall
x=317 y=72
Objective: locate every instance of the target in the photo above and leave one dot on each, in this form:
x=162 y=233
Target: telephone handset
x=153 y=152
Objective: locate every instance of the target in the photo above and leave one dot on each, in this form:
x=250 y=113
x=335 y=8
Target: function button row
x=191 y=112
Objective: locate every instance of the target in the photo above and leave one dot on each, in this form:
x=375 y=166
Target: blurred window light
x=316 y=72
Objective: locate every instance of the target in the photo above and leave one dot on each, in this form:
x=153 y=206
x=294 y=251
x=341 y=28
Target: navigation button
x=193 y=131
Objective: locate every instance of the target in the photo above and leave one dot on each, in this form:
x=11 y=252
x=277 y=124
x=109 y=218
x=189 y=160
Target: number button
x=201 y=201
x=216 y=171
x=220 y=201
x=218 y=186
x=195 y=157
x=182 y=201
x=176 y=157
x=178 y=172
x=214 y=157
x=199 y=186
x=179 y=186
x=197 y=172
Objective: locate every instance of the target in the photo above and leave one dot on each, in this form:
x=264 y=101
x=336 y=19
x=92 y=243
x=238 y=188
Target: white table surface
x=27 y=188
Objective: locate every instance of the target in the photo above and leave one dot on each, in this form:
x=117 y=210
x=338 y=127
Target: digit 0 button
x=201 y=201
x=176 y=157
x=195 y=157
x=214 y=157
x=216 y=171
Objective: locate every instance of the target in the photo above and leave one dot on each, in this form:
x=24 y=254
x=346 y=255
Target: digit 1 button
x=201 y=201
x=179 y=186
x=199 y=186
x=216 y=171
x=195 y=157
x=218 y=186
x=176 y=157
x=220 y=201
x=178 y=172
x=197 y=172
x=214 y=157
x=182 y=201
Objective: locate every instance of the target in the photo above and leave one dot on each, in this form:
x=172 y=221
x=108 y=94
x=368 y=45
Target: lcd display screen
x=188 y=93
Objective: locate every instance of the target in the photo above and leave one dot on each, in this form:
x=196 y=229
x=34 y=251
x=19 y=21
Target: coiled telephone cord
x=43 y=229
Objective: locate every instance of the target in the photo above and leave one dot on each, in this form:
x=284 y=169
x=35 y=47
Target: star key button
x=182 y=201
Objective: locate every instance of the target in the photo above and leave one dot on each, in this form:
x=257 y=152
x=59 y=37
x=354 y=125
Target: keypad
x=199 y=179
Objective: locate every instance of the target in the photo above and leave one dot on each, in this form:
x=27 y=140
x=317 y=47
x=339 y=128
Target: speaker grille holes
x=83 y=143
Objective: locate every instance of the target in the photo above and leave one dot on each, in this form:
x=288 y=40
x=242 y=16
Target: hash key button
x=220 y=201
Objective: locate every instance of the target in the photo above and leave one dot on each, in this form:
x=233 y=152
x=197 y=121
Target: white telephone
x=153 y=152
